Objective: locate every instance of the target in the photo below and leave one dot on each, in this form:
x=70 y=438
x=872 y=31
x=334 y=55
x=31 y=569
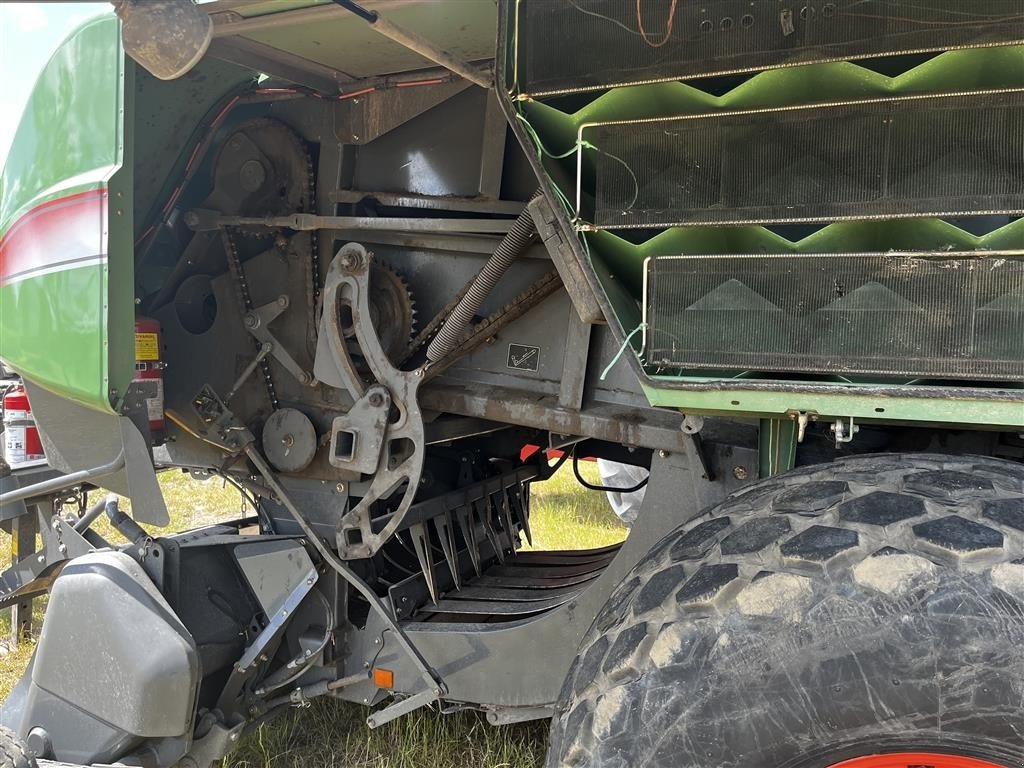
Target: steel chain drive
x=245 y=302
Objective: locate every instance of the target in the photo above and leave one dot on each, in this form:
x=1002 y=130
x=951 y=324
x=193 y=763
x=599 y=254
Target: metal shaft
x=64 y=481
x=420 y=45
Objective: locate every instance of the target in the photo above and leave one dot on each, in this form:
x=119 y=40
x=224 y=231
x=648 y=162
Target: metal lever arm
x=256 y=322
x=348 y=283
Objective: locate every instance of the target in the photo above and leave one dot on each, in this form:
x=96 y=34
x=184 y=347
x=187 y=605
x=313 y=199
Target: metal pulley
x=289 y=440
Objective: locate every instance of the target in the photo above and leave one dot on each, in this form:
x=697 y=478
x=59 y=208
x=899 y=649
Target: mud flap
x=62 y=421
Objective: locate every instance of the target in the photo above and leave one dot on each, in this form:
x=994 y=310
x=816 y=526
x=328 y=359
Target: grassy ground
x=333 y=733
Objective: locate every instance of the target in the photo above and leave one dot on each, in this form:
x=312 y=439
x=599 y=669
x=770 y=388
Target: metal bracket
x=570 y=269
x=844 y=431
x=256 y=322
x=358 y=437
x=348 y=284
x=777 y=446
x=403 y=707
x=277 y=621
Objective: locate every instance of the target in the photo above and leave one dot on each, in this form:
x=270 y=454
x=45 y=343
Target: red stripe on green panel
x=59 y=234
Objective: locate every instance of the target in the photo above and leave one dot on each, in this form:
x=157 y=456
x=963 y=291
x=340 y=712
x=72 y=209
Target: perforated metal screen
x=563 y=46
x=949 y=316
x=916 y=156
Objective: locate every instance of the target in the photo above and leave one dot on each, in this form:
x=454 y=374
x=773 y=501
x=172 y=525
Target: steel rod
x=64 y=481
x=435 y=686
x=414 y=42
x=203 y=220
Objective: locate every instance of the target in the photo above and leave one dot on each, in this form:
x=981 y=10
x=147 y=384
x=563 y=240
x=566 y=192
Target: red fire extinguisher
x=22 y=447
x=149 y=366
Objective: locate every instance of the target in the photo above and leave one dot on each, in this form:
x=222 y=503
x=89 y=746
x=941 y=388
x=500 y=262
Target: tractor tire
x=12 y=751
x=870 y=606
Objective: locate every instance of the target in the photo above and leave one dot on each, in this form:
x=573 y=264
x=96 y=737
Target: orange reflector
x=383 y=678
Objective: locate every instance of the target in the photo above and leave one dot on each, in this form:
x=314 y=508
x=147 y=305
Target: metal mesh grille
x=573 y=45
x=949 y=316
x=926 y=156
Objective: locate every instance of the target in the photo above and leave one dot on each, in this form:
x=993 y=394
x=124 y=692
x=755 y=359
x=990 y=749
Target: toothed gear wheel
x=263 y=169
x=392 y=310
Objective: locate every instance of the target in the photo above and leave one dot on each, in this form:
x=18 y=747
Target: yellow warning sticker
x=147 y=347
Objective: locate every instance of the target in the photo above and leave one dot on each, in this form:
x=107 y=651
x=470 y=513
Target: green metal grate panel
x=565 y=46
x=922 y=156
x=939 y=316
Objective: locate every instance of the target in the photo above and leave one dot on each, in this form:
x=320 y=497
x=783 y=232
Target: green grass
x=334 y=733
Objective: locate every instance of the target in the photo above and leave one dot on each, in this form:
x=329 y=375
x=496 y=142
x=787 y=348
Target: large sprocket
x=392 y=310
x=263 y=169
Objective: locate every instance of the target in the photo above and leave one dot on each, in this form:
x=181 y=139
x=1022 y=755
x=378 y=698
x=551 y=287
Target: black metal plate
x=934 y=156
x=943 y=316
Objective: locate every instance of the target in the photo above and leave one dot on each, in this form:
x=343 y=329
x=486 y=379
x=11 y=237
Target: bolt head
x=376 y=399
x=740 y=473
x=340 y=487
x=251 y=321
x=663 y=454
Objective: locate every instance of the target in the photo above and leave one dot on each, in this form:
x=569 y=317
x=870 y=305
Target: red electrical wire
x=353 y=94
x=668 y=24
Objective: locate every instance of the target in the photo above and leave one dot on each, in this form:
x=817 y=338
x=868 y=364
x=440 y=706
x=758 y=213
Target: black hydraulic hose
x=122 y=522
x=358 y=10
x=518 y=237
x=605 y=488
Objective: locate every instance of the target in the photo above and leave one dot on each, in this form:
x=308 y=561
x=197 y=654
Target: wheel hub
x=915 y=760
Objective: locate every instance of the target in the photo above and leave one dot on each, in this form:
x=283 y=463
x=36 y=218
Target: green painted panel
x=56 y=309
x=555 y=126
x=69 y=133
x=626 y=259
x=843 y=404
x=465 y=29
x=983 y=68
x=67 y=330
x=254 y=8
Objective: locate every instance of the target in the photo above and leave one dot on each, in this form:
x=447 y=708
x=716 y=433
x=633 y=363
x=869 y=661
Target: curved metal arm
x=348 y=282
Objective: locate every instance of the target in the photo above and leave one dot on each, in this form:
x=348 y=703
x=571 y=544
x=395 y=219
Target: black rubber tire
x=12 y=751
x=875 y=604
